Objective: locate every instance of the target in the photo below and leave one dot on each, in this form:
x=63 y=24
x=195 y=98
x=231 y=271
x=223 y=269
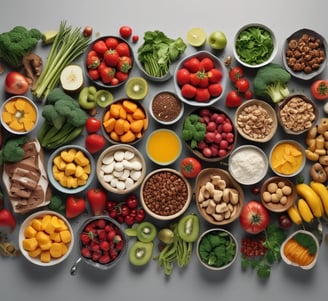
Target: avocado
x=141 y=252
x=146 y=232
x=136 y=88
x=103 y=98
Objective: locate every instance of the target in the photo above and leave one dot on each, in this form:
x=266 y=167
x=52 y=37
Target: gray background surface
x=19 y=280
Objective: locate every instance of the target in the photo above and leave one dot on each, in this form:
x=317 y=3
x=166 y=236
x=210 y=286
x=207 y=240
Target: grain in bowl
x=165 y=194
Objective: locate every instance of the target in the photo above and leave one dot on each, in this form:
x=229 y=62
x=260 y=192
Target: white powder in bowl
x=248 y=165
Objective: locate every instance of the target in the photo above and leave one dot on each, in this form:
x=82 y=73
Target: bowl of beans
x=165 y=194
x=166 y=108
x=278 y=194
x=297 y=114
x=304 y=54
x=256 y=120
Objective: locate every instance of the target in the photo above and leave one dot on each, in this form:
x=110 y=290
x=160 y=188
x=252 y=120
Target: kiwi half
x=136 y=88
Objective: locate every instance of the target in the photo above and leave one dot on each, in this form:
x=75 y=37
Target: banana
x=294 y=215
x=322 y=191
x=305 y=211
x=312 y=198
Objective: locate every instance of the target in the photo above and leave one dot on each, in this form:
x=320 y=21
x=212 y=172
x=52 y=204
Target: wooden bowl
x=228 y=196
x=256 y=120
x=276 y=198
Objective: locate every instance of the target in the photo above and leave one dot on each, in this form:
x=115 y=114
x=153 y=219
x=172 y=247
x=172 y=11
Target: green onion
x=68 y=45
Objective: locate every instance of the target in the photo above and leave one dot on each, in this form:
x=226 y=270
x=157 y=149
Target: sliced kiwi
x=103 y=98
x=136 y=88
x=146 y=232
x=141 y=252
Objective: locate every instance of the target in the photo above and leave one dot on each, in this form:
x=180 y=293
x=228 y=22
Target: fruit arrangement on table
x=121 y=192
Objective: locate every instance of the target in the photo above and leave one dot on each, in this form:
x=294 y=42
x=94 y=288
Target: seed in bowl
x=46 y=237
x=71 y=168
x=121 y=169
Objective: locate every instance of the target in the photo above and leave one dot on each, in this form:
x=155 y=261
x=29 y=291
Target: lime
x=196 y=37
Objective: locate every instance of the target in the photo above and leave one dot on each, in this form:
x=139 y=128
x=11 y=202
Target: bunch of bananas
x=313 y=203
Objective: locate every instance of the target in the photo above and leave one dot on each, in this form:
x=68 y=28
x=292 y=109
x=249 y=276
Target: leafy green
x=274 y=237
x=158 y=52
x=193 y=130
x=57 y=204
x=217 y=249
x=271 y=81
x=307 y=242
x=254 y=45
x=12 y=150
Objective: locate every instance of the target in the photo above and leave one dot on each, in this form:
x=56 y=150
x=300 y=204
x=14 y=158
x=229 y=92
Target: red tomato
x=233 y=99
x=97 y=200
x=7 y=219
x=319 y=89
x=123 y=49
x=183 y=76
x=190 y=167
x=242 y=85
x=236 y=73
x=248 y=94
x=74 y=206
x=206 y=64
x=188 y=91
x=94 y=143
x=214 y=75
x=192 y=64
x=125 y=31
x=16 y=83
x=132 y=202
x=93 y=125
x=135 y=38
x=215 y=89
x=254 y=217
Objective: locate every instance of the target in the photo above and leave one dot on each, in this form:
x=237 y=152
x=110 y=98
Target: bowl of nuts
x=297 y=114
x=256 y=120
x=304 y=54
x=165 y=194
x=278 y=194
x=219 y=198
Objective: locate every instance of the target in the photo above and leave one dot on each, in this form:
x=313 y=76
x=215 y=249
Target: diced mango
x=45 y=256
x=55 y=250
x=70 y=169
x=59 y=162
x=65 y=236
x=79 y=171
x=16 y=125
x=63 y=247
x=129 y=106
x=42 y=237
x=81 y=159
x=55 y=236
x=35 y=253
x=36 y=224
x=30 y=232
x=45 y=245
x=10 y=107
x=7 y=117
x=139 y=114
x=30 y=244
x=115 y=110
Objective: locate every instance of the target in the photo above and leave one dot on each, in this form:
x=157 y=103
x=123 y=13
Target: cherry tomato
x=135 y=38
x=125 y=210
x=129 y=220
x=254 y=217
x=248 y=94
x=242 y=85
x=190 y=167
x=141 y=214
x=125 y=31
x=319 y=89
x=132 y=202
x=256 y=190
x=236 y=73
x=233 y=99
x=92 y=125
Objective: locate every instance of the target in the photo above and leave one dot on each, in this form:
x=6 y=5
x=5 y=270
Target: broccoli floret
x=71 y=110
x=271 y=81
x=187 y=134
x=50 y=114
x=193 y=130
x=17 y=43
x=12 y=150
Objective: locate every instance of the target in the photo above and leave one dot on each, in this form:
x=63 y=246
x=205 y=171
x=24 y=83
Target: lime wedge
x=196 y=37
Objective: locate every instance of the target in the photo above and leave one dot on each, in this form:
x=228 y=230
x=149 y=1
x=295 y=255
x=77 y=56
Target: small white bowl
x=217 y=231
x=269 y=59
x=36 y=260
x=166 y=108
x=30 y=103
x=56 y=183
x=289 y=261
x=111 y=180
x=167 y=151
x=248 y=164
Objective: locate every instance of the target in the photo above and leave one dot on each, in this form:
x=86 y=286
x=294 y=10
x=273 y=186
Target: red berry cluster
x=101 y=241
x=128 y=212
x=253 y=246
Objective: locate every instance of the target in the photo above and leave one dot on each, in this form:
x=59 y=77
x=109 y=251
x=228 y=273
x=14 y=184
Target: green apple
x=217 y=40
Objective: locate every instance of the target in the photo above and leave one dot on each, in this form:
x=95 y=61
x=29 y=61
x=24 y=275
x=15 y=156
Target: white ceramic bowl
x=290 y=65
x=248 y=164
x=217 y=63
x=21 y=237
x=56 y=184
x=166 y=108
x=163 y=146
x=268 y=59
x=110 y=173
x=200 y=252
x=156 y=185
x=20 y=114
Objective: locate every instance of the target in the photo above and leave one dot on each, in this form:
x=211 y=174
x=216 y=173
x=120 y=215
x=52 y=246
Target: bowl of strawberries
x=109 y=61
x=102 y=242
x=200 y=79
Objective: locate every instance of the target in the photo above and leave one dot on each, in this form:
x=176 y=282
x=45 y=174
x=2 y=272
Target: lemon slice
x=196 y=37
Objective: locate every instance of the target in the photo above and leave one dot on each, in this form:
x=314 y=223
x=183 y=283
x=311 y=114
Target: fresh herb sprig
x=274 y=237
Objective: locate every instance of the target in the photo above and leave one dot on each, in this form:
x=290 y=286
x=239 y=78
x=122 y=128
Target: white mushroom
x=108 y=159
x=119 y=156
x=128 y=155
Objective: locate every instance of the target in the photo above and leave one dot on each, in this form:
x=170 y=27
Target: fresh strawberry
x=85 y=238
x=202 y=95
x=93 y=62
x=94 y=143
x=215 y=89
x=111 y=235
x=188 y=91
x=101 y=223
x=123 y=49
x=100 y=47
x=104 y=245
x=102 y=235
x=124 y=64
x=206 y=64
x=106 y=74
x=94 y=74
x=85 y=252
x=119 y=246
x=96 y=255
x=214 y=75
x=192 y=64
x=111 y=57
x=112 y=254
x=104 y=259
x=121 y=76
